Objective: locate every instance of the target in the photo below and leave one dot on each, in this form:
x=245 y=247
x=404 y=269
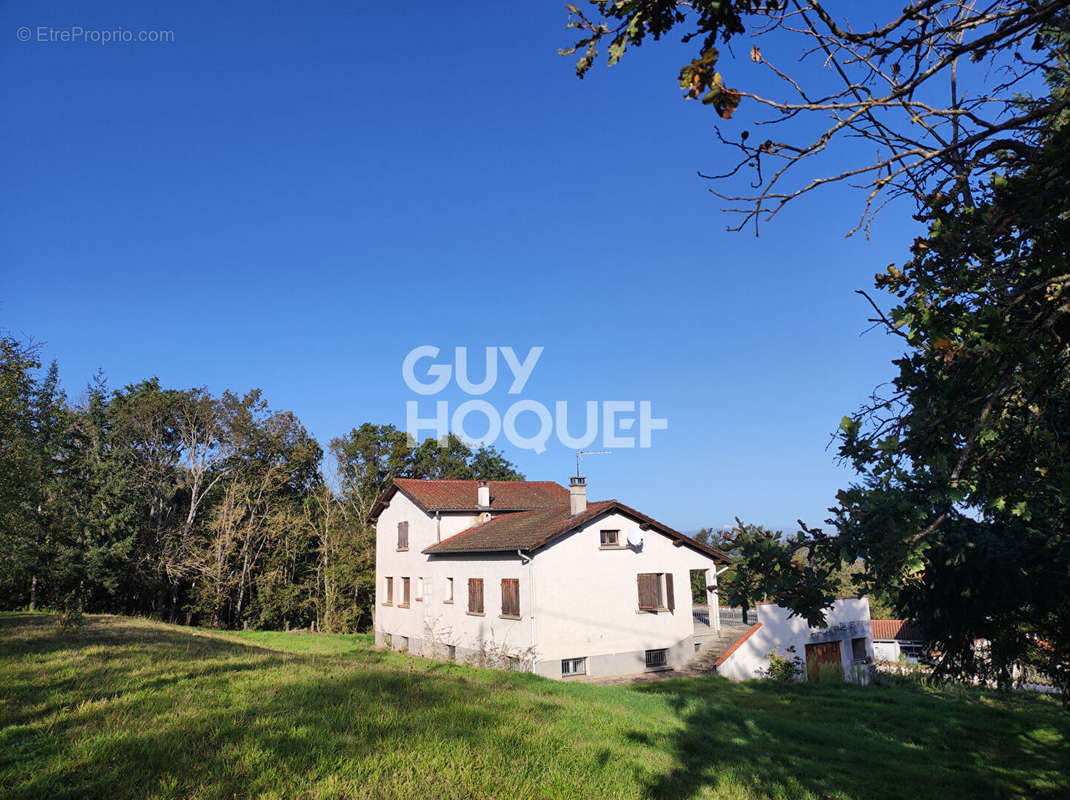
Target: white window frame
x=449 y=591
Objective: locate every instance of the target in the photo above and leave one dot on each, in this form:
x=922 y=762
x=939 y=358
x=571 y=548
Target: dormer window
x=403 y=536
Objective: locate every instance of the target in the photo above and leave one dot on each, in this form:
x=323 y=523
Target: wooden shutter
x=670 y=599
x=403 y=536
x=405 y=591
x=510 y=597
x=390 y=590
x=475 y=595
x=648 y=591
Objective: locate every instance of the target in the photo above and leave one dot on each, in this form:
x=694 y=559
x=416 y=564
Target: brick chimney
x=577 y=495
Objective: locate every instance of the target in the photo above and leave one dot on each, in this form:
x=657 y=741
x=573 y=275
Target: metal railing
x=727 y=616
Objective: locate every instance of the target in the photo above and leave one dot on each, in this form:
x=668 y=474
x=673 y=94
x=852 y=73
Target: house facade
x=530 y=575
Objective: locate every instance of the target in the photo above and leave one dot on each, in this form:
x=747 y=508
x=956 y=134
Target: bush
x=787 y=667
x=69 y=614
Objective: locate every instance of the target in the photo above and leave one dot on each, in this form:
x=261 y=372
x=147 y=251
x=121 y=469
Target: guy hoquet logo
x=614 y=419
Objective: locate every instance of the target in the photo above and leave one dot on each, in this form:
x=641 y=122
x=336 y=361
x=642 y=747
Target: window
x=404 y=644
x=656 y=591
x=449 y=591
x=514 y=663
x=610 y=539
x=475 y=595
x=656 y=659
x=419 y=589
x=573 y=666
x=388 y=640
x=858 y=649
x=403 y=536
x=914 y=653
x=389 y=592
x=511 y=598
x=404 y=593
x=451 y=652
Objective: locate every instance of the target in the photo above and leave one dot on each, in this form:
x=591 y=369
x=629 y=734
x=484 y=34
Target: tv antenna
x=581 y=453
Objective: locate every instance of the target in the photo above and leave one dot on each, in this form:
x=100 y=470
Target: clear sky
x=292 y=197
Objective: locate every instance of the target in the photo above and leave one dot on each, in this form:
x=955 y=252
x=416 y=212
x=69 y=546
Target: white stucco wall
x=887 y=650
x=847 y=619
x=431 y=618
x=587 y=603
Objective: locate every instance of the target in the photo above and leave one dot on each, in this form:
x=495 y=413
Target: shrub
x=787 y=667
x=69 y=614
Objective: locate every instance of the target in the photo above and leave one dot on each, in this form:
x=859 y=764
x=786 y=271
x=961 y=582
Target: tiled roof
x=530 y=530
x=453 y=495
x=896 y=629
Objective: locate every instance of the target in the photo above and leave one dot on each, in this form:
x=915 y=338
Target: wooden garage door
x=823 y=657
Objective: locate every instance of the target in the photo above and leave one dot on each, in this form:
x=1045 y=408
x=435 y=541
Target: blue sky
x=292 y=198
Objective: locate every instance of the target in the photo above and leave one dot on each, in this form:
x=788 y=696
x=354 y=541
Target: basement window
x=451 y=652
x=574 y=666
x=404 y=645
x=657 y=659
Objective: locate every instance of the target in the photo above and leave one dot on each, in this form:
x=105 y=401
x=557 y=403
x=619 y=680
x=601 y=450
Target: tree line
x=192 y=507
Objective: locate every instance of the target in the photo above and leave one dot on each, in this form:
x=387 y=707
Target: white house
x=895 y=638
x=531 y=575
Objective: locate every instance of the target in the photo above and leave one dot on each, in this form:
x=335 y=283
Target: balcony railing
x=727 y=616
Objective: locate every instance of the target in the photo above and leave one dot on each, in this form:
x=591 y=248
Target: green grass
x=127 y=708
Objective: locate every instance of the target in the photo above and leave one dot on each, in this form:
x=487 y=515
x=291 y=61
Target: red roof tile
x=531 y=530
x=454 y=495
x=895 y=629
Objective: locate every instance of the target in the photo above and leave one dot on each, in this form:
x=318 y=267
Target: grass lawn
x=131 y=708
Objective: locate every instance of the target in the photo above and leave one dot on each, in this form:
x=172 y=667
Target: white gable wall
x=587 y=600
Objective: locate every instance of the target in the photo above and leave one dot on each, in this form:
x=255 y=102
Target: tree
x=21 y=540
x=966 y=458
x=371 y=456
x=961 y=510
x=938 y=91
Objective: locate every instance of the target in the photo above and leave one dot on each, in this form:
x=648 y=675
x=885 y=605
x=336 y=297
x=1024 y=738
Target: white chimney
x=577 y=495
x=483 y=495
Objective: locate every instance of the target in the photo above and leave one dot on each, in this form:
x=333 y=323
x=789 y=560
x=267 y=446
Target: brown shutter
x=670 y=599
x=510 y=597
x=648 y=591
x=403 y=536
x=475 y=595
x=405 y=590
x=390 y=590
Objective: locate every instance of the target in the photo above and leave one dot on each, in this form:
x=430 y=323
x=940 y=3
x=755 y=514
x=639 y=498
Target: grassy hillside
x=130 y=708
